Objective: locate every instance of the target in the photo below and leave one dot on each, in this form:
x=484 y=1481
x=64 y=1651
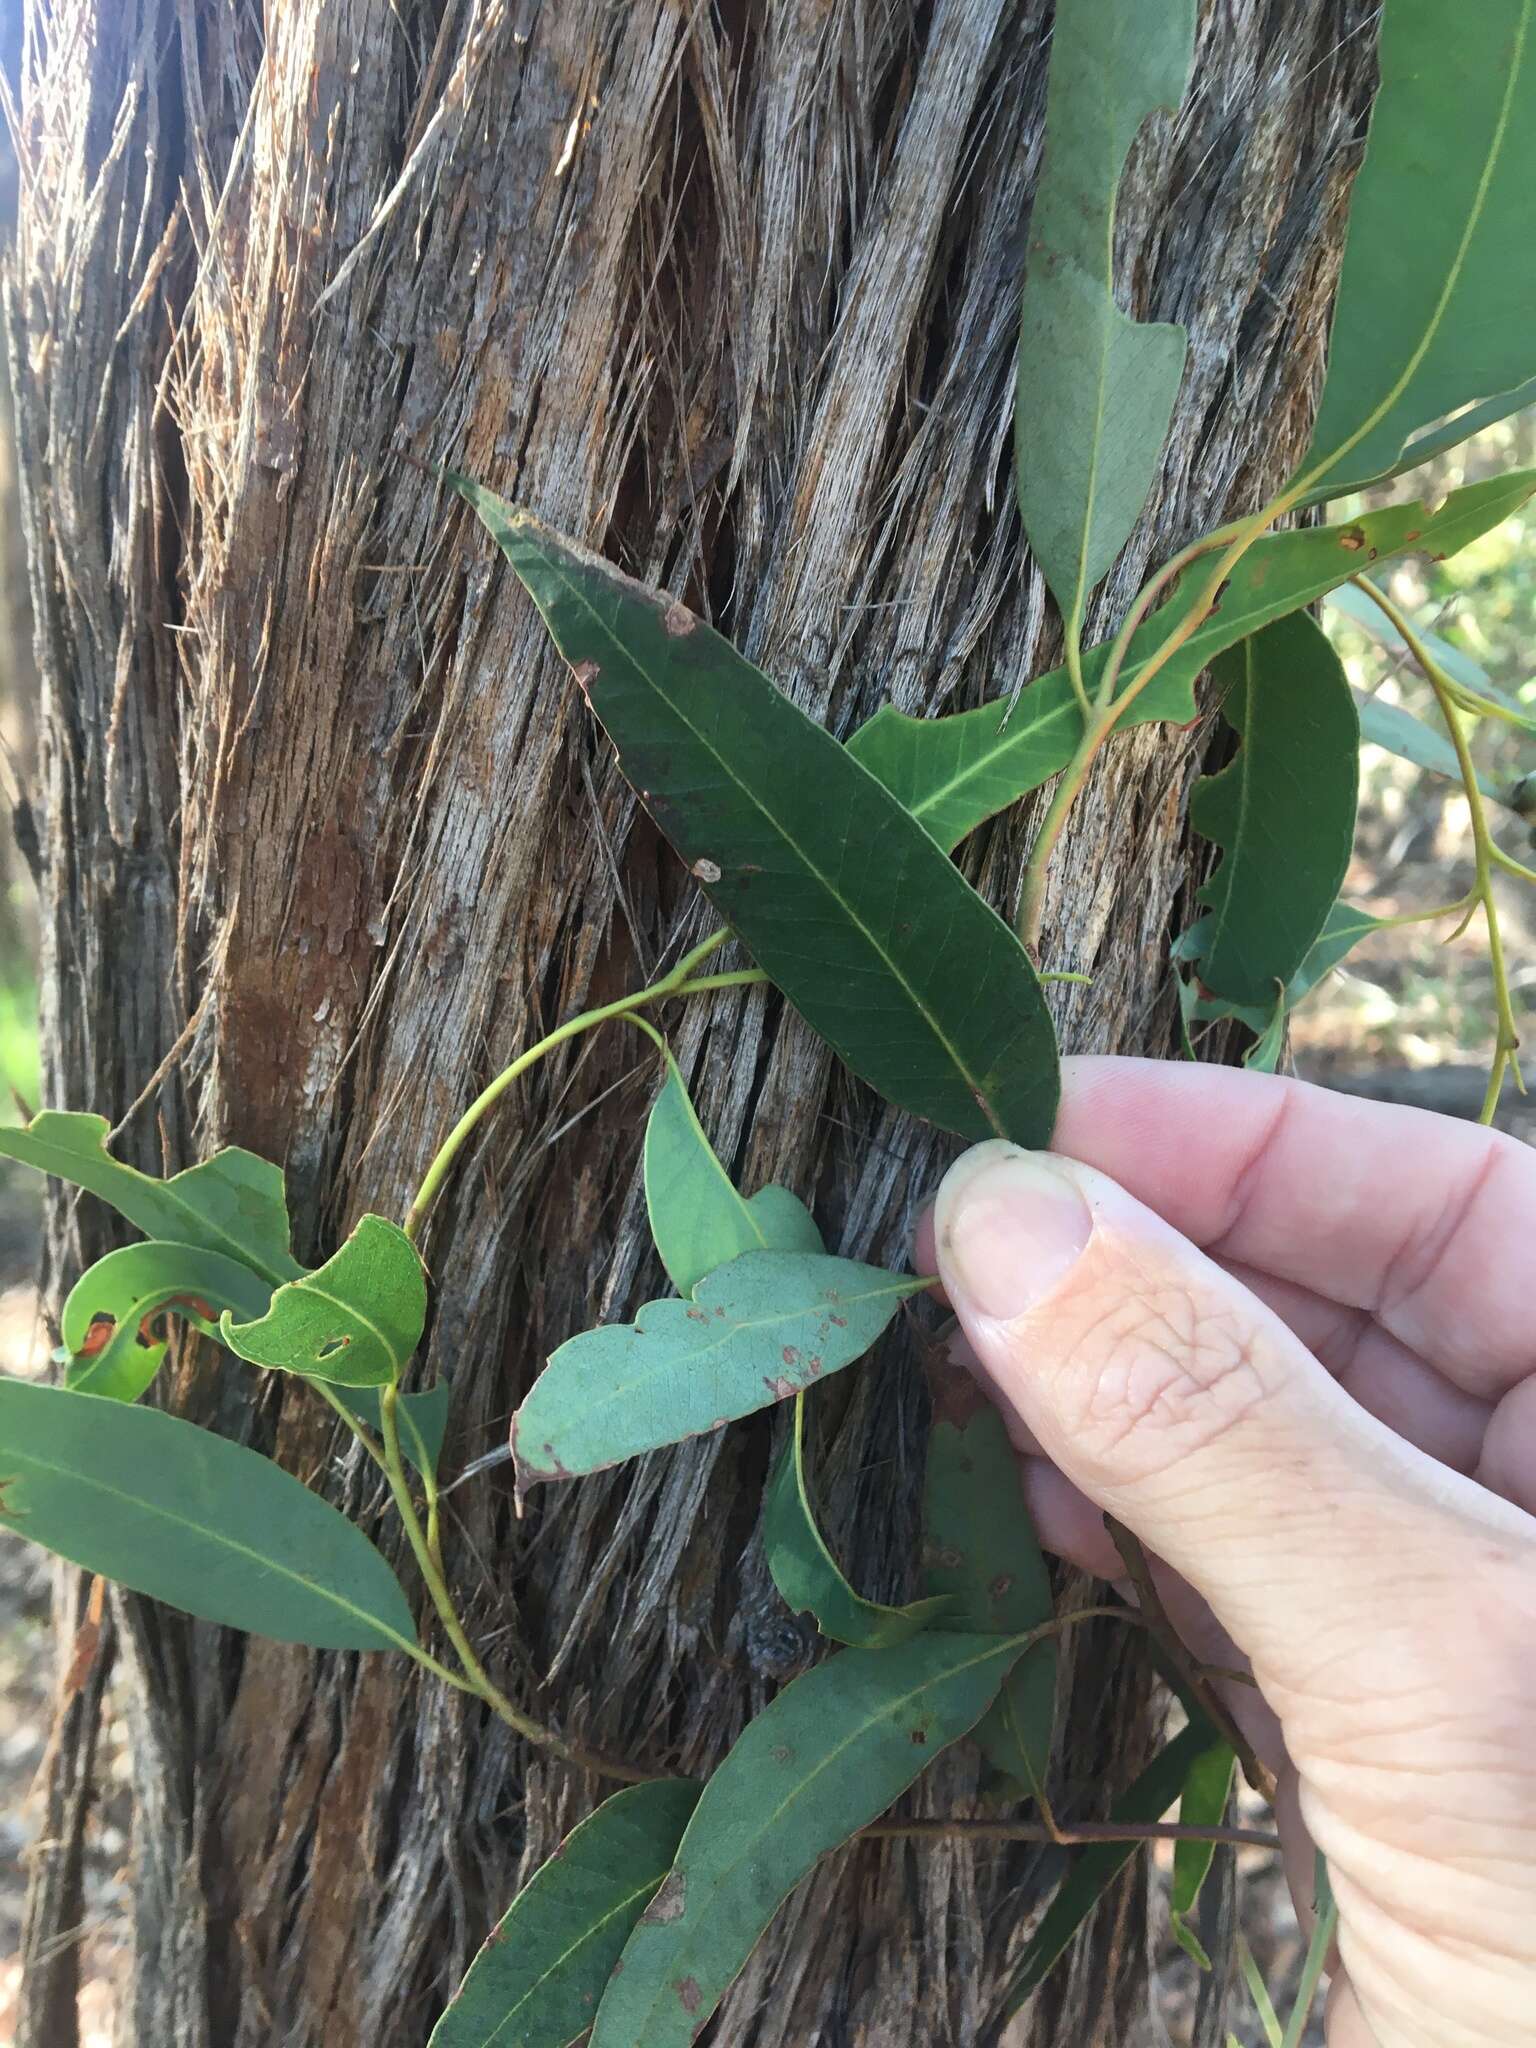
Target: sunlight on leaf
x=355 y=1321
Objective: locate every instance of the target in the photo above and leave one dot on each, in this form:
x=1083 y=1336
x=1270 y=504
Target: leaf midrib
x=893 y=966
x=211 y=1534
x=1453 y=274
x=889 y=1712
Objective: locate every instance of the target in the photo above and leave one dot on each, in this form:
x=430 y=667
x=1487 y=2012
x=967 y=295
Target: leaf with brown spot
x=680 y=1369
x=544 y=1965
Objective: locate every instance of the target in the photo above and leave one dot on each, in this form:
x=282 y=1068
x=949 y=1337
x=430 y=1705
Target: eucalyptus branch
x=1195 y=1675
x=1486 y=854
x=1510 y=865
x=674 y=984
x=1079 y=1835
x=1110 y=709
x=478 y=1680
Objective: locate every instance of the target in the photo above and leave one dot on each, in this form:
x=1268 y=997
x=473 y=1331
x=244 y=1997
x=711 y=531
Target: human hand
x=1288 y=1339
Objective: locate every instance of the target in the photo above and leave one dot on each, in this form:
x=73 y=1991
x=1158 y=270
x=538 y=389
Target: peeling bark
x=731 y=294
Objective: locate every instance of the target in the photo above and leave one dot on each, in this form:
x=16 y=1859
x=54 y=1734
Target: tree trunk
x=731 y=293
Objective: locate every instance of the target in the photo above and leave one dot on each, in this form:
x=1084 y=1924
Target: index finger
x=1425 y=1222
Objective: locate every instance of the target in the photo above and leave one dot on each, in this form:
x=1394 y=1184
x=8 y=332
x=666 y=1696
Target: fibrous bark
x=731 y=293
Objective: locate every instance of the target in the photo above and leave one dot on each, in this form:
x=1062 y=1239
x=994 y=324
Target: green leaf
x=355 y=1322
x=106 y=1307
x=233 y=1203
x=980 y=1549
x=1342 y=930
x=825 y=1757
x=176 y=1513
x=423 y=1420
x=1398 y=732
x=537 y=1980
x=1350 y=599
x=952 y=773
x=757 y=1331
x=1283 y=810
x=1451 y=434
x=877 y=940
x=805 y=1571
x=1094 y=1870
x=1096 y=389
x=1437 y=297
x=698 y=1219
x=1202 y=1804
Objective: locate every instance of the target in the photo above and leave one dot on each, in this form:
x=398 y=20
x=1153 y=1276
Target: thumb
x=1178 y=1402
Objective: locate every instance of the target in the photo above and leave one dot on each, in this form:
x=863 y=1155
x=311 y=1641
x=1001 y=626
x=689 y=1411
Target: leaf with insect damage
x=172 y=1511
x=845 y=903
x=355 y=1321
x=1283 y=810
x=1095 y=388
x=111 y=1351
x=805 y=1571
x=757 y=1331
x=538 y=1978
x=233 y=1203
x=825 y=1757
x=980 y=1550
x=952 y=773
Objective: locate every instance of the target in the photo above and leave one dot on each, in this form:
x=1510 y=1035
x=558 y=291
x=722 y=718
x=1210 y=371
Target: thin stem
x=1139 y=1571
x=1074 y=659
x=479 y=1680
x=1485 y=707
x=1324 y=1927
x=364 y=1436
x=1077 y=1836
x=1110 y=708
x=1509 y=864
x=1485 y=854
x=675 y=983
x=740 y=977
x=1456 y=909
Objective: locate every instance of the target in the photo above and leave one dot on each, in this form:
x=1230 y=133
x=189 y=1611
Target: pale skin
x=1289 y=1340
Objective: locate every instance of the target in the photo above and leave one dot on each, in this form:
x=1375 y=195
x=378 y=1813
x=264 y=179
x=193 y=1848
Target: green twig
x=1110 y=709
x=1324 y=1927
x=673 y=984
x=1486 y=855
x=1510 y=865
x=479 y=1681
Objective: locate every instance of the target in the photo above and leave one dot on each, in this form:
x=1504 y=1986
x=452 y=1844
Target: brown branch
x=1080 y=1835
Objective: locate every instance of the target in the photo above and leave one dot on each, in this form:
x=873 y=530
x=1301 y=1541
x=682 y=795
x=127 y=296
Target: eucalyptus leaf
x=538 y=1978
x=1451 y=433
x=233 y=1203
x=1398 y=732
x=807 y=1574
x=952 y=773
x=105 y=1310
x=423 y=1420
x=1436 y=305
x=698 y=1220
x=1283 y=810
x=174 y=1512
x=1343 y=929
x=846 y=904
x=1094 y=1870
x=1095 y=388
x=1359 y=607
x=757 y=1331
x=355 y=1321
x=1202 y=1804
x=981 y=1551
x=825 y=1757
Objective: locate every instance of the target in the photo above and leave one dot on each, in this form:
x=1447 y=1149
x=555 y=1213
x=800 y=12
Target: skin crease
x=1289 y=1339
